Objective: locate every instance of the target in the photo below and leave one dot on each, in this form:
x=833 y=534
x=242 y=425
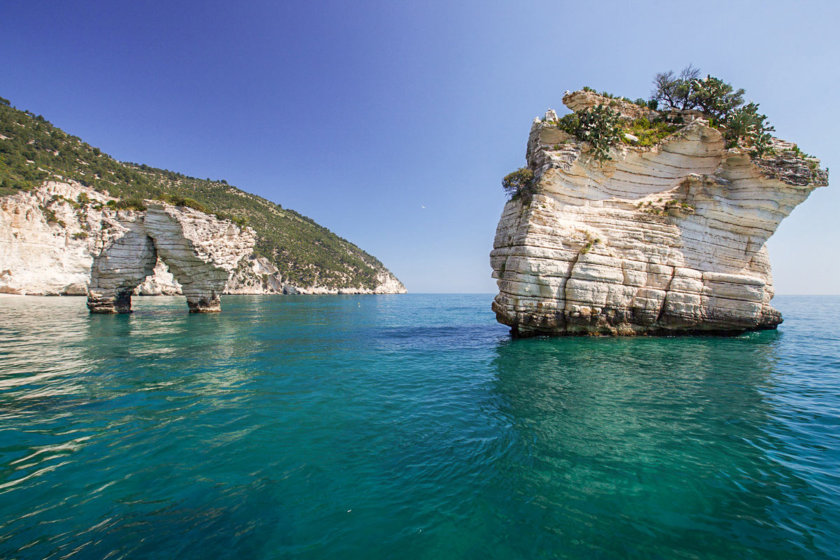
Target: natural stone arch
x=200 y=251
x=118 y=270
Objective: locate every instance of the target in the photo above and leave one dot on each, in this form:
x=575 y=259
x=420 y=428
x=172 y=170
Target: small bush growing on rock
x=649 y=132
x=716 y=98
x=129 y=204
x=600 y=126
x=184 y=201
x=49 y=214
x=797 y=152
x=519 y=183
x=241 y=222
x=747 y=126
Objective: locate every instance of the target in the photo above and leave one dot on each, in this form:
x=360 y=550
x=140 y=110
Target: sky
x=393 y=122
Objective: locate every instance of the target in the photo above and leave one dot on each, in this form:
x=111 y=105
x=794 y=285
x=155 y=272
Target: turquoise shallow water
x=410 y=427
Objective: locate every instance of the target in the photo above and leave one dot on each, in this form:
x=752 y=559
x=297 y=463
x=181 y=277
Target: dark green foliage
x=49 y=214
x=711 y=95
x=742 y=125
x=715 y=97
x=304 y=252
x=178 y=200
x=600 y=126
x=747 y=126
x=133 y=203
x=674 y=92
x=519 y=183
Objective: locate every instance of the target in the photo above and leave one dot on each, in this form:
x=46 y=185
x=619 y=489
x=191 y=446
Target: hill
x=32 y=151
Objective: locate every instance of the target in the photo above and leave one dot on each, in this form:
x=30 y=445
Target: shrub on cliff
x=746 y=126
x=716 y=98
x=742 y=124
x=186 y=201
x=688 y=91
x=675 y=91
x=648 y=132
x=519 y=183
x=600 y=126
x=132 y=203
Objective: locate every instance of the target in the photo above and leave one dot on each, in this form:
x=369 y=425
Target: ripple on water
x=411 y=427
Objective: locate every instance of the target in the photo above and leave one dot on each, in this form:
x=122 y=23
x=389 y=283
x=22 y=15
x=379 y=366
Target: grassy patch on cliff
x=649 y=132
x=32 y=150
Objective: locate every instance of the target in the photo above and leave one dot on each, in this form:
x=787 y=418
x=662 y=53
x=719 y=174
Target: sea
x=410 y=427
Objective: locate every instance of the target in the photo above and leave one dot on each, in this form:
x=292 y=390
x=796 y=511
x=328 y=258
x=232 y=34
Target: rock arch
x=200 y=251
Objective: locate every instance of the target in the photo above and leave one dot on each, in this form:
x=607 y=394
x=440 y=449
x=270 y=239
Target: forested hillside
x=32 y=150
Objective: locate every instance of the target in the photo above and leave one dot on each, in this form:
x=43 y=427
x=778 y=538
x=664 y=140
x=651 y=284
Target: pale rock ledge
x=658 y=240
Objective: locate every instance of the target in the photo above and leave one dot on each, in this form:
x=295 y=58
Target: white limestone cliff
x=201 y=252
x=52 y=236
x=657 y=240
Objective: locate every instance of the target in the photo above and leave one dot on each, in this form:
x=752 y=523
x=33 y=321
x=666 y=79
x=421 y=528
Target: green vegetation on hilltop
x=600 y=126
x=32 y=150
x=742 y=125
x=675 y=98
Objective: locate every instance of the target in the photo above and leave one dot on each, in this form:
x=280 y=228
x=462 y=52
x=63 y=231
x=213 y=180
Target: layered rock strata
x=657 y=240
x=200 y=251
x=51 y=236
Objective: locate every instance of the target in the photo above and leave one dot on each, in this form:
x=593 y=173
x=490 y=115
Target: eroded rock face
x=50 y=236
x=200 y=251
x=658 y=240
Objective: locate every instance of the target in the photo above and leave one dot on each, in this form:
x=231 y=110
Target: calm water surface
x=410 y=427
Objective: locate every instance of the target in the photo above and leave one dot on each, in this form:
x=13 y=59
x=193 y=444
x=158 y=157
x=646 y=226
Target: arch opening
x=124 y=264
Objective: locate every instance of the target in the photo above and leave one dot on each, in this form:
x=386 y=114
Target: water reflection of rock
x=647 y=445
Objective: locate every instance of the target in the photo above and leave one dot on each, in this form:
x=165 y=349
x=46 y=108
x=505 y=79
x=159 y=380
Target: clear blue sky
x=392 y=123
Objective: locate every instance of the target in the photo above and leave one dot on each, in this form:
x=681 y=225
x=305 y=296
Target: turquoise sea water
x=410 y=427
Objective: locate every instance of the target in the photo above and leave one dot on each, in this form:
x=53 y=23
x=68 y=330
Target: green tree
x=519 y=182
x=747 y=126
x=675 y=91
x=715 y=97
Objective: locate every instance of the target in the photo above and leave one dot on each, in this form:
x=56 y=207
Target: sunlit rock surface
x=49 y=242
x=658 y=240
x=201 y=252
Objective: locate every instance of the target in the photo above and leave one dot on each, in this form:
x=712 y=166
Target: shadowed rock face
x=658 y=240
x=200 y=251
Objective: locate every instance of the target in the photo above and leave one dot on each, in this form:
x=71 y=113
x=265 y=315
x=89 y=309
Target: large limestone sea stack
x=662 y=238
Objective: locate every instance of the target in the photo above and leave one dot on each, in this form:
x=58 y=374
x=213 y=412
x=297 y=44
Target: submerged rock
x=660 y=239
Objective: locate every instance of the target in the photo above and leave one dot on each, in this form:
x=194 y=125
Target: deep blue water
x=410 y=427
